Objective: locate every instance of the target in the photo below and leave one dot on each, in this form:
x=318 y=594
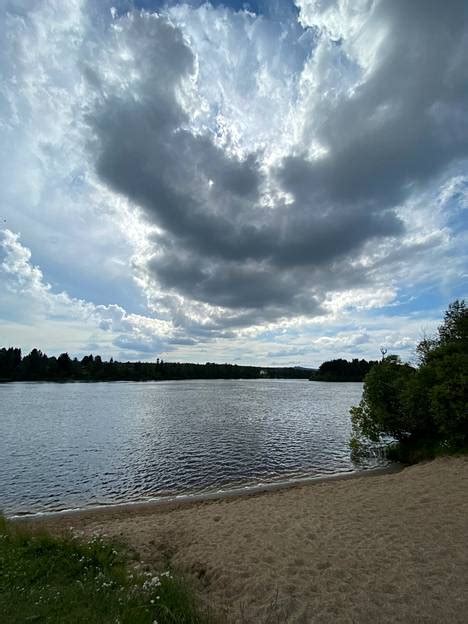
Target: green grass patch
x=62 y=579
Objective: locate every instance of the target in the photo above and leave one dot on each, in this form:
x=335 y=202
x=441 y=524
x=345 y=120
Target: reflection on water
x=69 y=445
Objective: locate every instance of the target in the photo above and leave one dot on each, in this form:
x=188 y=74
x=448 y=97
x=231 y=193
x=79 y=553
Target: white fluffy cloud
x=29 y=303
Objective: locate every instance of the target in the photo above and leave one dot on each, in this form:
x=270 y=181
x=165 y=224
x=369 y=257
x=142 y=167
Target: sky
x=273 y=183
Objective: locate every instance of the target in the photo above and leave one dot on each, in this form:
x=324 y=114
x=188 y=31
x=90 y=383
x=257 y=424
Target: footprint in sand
x=323 y=565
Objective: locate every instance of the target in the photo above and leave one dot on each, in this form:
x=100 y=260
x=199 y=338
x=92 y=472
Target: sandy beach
x=385 y=548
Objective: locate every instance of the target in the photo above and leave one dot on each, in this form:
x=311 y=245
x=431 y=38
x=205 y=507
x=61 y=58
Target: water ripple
x=72 y=445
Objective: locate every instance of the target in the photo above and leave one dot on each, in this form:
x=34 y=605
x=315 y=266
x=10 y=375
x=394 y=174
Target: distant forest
x=342 y=370
x=37 y=366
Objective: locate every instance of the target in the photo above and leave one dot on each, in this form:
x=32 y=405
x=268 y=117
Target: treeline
x=37 y=366
x=342 y=370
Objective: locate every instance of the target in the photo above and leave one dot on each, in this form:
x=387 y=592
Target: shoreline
x=99 y=381
x=180 y=501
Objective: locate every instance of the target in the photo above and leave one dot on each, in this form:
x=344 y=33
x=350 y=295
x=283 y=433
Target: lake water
x=71 y=445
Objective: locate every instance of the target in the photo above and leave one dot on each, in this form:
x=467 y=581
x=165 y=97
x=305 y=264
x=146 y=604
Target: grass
x=61 y=579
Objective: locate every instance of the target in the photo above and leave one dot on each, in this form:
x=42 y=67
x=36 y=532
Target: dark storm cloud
x=406 y=122
x=220 y=245
x=231 y=285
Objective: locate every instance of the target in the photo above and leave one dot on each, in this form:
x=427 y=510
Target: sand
x=389 y=548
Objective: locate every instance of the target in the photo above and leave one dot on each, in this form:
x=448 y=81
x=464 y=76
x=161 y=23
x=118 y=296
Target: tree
x=342 y=370
x=455 y=325
x=454 y=330
x=64 y=366
x=429 y=403
x=10 y=360
x=383 y=410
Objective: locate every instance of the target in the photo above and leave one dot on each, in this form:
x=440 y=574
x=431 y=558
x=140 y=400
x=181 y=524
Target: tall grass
x=61 y=579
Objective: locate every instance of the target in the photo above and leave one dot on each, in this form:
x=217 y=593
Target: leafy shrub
x=424 y=407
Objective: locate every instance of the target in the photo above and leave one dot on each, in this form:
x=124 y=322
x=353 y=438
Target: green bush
x=382 y=410
x=424 y=407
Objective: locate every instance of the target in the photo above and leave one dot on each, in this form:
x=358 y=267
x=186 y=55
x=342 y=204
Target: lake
x=71 y=445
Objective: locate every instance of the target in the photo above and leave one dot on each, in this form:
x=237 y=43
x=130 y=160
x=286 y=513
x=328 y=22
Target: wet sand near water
x=385 y=548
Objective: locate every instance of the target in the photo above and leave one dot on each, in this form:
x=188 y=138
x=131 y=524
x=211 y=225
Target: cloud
x=29 y=307
x=29 y=300
x=239 y=232
x=403 y=122
x=48 y=190
x=202 y=175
